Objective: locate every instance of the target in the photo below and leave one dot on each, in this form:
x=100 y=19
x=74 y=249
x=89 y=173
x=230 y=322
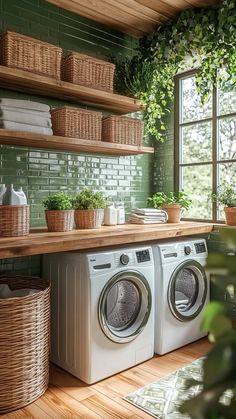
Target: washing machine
x=102 y=311
x=181 y=293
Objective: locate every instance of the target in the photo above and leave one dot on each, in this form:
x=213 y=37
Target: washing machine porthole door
x=187 y=290
x=124 y=306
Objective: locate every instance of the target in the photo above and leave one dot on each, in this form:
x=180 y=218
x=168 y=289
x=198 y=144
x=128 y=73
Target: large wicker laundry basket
x=23 y=52
x=88 y=71
x=24 y=342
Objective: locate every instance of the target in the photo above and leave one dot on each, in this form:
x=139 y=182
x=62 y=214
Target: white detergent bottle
x=22 y=196
x=2 y=191
x=120 y=213
x=110 y=215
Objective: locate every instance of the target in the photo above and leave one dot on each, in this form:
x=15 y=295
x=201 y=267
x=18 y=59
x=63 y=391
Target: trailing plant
x=202 y=38
x=226 y=195
x=58 y=201
x=217 y=399
x=160 y=198
x=88 y=199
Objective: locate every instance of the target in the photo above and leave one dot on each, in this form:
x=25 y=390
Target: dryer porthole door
x=124 y=306
x=187 y=290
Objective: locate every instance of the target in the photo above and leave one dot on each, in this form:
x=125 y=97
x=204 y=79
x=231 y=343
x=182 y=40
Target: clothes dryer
x=181 y=293
x=102 y=313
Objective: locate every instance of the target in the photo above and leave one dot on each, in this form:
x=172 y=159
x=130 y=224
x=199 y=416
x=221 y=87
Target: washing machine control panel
x=143 y=256
x=124 y=259
x=187 y=250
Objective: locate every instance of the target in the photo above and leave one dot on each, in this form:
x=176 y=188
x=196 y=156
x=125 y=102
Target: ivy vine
x=207 y=37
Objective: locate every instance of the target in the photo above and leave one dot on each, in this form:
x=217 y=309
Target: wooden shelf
x=54 y=142
x=11 y=78
x=40 y=241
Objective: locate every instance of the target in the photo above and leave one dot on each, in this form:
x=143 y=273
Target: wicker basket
x=23 y=52
x=90 y=218
x=123 y=130
x=76 y=122
x=88 y=71
x=24 y=343
x=14 y=220
x=60 y=220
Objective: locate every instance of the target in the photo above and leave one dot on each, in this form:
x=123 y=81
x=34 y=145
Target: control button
x=124 y=259
x=187 y=250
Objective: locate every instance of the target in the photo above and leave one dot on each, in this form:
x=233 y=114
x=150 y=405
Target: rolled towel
x=29 y=111
x=25 y=118
x=17 y=126
x=24 y=104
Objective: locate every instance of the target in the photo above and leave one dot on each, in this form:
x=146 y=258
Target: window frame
x=178 y=124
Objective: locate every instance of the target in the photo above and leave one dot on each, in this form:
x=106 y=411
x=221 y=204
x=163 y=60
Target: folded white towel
x=25 y=118
x=17 y=126
x=25 y=104
x=29 y=111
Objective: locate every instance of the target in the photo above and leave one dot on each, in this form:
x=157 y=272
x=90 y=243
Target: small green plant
x=88 y=199
x=160 y=198
x=226 y=195
x=58 y=201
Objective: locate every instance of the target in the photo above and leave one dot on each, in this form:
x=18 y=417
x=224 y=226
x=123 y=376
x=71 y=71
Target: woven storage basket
x=89 y=218
x=23 y=52
x=123 y=130
x=88 y=71
x=14 y=220
x=76 y=122
x=24 y=343
x=60 y=220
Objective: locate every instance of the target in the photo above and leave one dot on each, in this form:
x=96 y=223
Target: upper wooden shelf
x=11 y=78
x=54 y=142
x=40 y=241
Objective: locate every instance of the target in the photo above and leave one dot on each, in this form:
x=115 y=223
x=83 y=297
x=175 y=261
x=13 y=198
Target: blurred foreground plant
x=217 y=400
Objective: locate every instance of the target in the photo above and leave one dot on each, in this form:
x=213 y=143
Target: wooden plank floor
x=68 y=397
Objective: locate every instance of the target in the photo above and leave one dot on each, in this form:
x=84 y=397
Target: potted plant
x=59 y=212
x=226 y=195
x=171 y=202
x=89 y=209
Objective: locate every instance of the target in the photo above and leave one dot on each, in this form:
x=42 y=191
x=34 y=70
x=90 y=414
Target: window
x=205 y=144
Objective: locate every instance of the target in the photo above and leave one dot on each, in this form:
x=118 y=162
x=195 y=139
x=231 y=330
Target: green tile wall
x=164 y=159
x=41 y=171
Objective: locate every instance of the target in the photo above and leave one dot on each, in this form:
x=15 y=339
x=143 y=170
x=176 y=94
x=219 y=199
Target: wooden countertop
x=40 y=241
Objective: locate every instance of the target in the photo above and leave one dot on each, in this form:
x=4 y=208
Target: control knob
x=124 y=259
x=187 y=250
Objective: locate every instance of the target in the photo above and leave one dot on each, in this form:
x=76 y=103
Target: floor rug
x=162 y=398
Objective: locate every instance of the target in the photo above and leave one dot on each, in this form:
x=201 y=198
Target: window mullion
x=214 y=149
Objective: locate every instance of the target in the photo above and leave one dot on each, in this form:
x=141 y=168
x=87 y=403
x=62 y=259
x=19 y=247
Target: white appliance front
x=181 y=293
x=102 y=314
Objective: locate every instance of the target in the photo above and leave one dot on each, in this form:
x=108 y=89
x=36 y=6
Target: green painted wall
x=41 y=171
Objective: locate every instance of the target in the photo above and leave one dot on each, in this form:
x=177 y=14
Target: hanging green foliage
x=204 y=38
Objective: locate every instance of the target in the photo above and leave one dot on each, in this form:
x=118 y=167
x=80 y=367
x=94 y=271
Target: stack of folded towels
x=148 y=216
x=25 y=115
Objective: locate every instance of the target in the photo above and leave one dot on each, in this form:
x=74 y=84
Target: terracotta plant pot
x=173 y=211
x=230 y=216
x=59 y=220
x=90 y=218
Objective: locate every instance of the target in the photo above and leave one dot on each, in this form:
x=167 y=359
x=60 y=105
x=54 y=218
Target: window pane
x=192 y=108
x=227 y=98
x=197 y=143
x=227 y=138
x=197 y=182
x=227 y=176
